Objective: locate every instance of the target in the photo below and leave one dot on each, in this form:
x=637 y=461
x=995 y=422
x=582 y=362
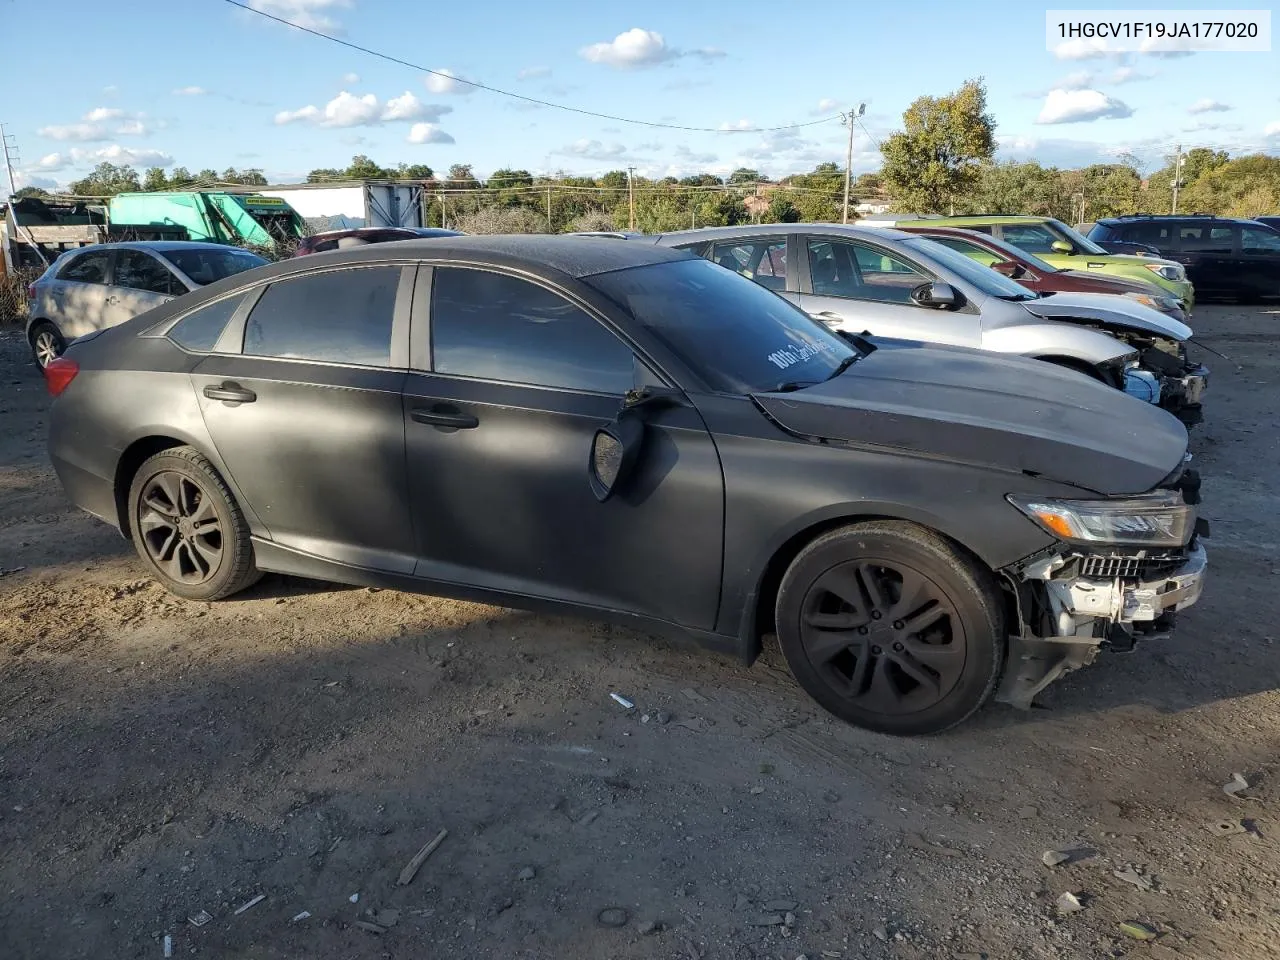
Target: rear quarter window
x=200 y=329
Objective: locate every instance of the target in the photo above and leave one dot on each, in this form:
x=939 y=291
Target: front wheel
x=188 y=528
x=889 y=627
x=47 y=343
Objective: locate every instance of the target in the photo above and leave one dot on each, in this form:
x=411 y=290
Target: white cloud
x=1076 y=106
x=100 y=123
x=24 y=178
x=1205 y=105
x=732 y=126
x=642 y=48
x=428 y=133
x=408 y=107
x=533 y=73
x=825 y=106
x=690 y=157
x=593 y=150
x=1080 y=80
x=1272 y=129
x=190 y=92
x=1128 y=75
x=444 y=81
x=312 y=14
x=79 y=156
x=1086 y=48
x=348 y=110
x=634 y=48
x=351 y=79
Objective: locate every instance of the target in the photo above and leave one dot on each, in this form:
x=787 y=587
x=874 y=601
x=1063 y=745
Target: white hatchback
x=103 y=285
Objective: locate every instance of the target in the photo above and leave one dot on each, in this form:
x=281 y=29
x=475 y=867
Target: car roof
x=159 y=246
x=775 y=229
x=1189 y=217
x=538 y=253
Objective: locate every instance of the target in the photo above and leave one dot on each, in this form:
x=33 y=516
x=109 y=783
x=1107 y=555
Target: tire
x=188 y=528
x=879 y=659
x=46 y=342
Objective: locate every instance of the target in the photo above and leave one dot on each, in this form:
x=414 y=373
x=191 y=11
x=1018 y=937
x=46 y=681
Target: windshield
x=204 y=266
x=1081 y=242
x=984 y=278
x=740 y=337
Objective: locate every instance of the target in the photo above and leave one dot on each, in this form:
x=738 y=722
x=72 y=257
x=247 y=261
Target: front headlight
x=1163 y=304
x=1170 y=271
x=1152 y=520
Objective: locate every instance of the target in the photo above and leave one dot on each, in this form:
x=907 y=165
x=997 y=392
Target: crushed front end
x=1176 y=382
x=1121 y=571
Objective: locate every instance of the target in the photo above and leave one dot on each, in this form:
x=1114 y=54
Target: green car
x=1054 y=242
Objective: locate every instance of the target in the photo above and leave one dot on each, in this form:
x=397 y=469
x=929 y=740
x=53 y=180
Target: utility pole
x=8 y=160
x=631 y=195
x=1177 y=177
x=548 y=208
x=849 y=118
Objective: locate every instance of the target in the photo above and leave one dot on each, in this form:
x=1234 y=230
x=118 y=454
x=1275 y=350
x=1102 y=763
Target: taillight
x=31 y=291
x=59 y=373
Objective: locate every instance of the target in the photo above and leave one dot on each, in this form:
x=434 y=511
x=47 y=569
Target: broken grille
x=1101 y=567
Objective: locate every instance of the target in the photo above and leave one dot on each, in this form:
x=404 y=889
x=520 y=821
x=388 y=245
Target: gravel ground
x=299 y=743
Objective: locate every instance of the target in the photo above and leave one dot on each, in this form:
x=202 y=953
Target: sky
x=200 y=83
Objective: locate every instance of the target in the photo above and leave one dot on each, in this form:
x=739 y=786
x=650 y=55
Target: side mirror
x=1008 y=269
x=939 y=295
x=1061 y=246
x=614 y=450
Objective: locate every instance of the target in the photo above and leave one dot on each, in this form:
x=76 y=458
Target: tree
x=155 y=179
x=701 y=180
x=23 y=192
x=180 y=177
x=1245 y=186
x=747 y=175
x=207 y=175
x=324 y=174
x=1018 y=188
x=502 y=220
x=782 y=210
x=107 y=180
x=461 y=177
x=362 y=168
x=939 y=154
x=414 y=171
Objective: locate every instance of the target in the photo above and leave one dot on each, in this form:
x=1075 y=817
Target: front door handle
x=230 y=392
x=112 y=300
x=441 y=415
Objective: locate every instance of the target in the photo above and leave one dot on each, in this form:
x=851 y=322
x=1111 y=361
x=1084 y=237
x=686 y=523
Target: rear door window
x=339 y=316
x=141 y=271
x=1207 y=238
x=495 y=327
x=87 y=268
x=764 y=261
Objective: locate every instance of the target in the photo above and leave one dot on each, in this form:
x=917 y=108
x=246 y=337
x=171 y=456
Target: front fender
x=1057 y=340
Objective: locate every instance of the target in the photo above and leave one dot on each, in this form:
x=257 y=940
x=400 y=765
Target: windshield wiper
x=844 y=365
x=790 y=386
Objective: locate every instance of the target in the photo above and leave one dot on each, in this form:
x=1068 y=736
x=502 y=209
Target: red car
x=359 y=236
x=1034 y=274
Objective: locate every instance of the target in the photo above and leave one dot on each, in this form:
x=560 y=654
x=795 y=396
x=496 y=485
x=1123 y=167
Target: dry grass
x=13 y=296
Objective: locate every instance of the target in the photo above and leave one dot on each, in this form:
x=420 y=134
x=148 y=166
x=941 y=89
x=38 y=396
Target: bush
x=13 y=296
x=593 y=221
x=501 y=220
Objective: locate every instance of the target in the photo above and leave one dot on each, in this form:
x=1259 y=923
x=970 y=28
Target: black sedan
x=634 y=433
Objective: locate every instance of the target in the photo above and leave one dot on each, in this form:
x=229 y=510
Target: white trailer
x=353 y=203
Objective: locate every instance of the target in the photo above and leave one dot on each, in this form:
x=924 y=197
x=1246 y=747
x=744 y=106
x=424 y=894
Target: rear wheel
x=187 y=527
x=890 y=627
x=46 y=343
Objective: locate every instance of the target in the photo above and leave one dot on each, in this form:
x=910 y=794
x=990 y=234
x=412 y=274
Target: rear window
x=737 y=335
x=205 y=266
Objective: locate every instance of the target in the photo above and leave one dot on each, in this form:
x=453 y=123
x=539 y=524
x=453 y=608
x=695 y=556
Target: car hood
x=1118 y=313
x=1013 y=414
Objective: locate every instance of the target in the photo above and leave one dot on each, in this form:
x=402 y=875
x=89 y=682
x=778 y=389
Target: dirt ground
x=159 y=758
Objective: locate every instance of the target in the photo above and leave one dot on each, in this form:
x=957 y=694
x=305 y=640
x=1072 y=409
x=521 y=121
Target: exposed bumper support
x=1080 y=615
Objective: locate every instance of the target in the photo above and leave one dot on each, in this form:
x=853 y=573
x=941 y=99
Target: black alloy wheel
x=892 y=627
x=188 y=528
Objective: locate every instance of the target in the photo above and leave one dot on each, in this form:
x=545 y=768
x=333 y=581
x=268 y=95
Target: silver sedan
x=103 y=285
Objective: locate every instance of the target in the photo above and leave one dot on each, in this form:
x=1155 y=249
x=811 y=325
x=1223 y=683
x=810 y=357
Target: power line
x=517 y=96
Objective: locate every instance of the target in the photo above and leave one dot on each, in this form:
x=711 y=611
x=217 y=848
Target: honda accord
x=633 y=433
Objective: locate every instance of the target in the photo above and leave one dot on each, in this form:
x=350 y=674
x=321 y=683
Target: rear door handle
x=443 y=416
x=113 y=299
x=230 y=393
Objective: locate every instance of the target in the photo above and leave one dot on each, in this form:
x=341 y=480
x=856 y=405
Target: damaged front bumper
x=1071 y=606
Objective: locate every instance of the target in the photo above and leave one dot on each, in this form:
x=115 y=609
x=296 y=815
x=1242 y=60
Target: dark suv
x=1226 y=258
